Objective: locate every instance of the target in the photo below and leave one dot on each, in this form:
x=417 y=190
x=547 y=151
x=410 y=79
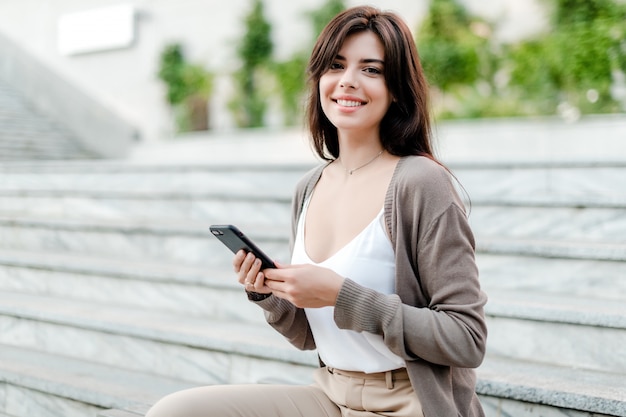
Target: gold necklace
x=351 y=171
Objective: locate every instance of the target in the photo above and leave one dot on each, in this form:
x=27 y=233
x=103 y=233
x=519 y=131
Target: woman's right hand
x=249 y=274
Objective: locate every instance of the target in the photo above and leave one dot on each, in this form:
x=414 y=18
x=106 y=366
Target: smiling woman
x=382 y=280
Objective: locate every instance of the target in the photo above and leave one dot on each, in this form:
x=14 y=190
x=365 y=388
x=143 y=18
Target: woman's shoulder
x=421 y=172
x=422 y=182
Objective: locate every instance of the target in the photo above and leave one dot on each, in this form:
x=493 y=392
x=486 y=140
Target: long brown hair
x=405 y=128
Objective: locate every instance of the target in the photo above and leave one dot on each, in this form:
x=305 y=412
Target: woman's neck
x=357 y=148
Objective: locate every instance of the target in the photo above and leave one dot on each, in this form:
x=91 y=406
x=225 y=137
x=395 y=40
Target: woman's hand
x=249 y=274
x=305 y=286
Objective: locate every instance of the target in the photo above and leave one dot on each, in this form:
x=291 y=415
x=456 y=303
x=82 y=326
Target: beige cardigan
x=435 y=321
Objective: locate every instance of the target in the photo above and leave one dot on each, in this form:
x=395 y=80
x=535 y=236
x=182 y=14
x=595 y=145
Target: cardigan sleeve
x=288 y=320
x=437 y=312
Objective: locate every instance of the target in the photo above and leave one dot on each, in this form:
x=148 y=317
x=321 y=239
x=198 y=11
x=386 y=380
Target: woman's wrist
x=257 y=296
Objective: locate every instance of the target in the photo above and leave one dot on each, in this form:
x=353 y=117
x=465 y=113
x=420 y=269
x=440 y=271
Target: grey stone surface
x=162 y=287
x=200 y=349
x=132 y=411
x=563 y=387
x=558 y=308
x=503 y=407
x=185 y=243
x=26 y=134
x=588 y=347
x=112 y=263
x=117 y=413
x=41 y=384
x=591 y=278
x=95 y=126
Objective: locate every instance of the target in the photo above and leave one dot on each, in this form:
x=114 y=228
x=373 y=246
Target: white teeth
x=349 y=103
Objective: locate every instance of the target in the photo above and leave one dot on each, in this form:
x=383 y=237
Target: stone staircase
x=113 y=292
x=26 y=134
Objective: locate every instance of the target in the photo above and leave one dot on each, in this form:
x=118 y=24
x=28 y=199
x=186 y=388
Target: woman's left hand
x=305 y=286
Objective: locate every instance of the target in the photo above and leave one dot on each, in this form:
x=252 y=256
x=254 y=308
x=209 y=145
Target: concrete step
x=561 y=276
x=587 y=182
x=540 y=390
x=513 y=218
x=524 y=326
x=528 y=389
x=156 y=286
x=40 y=384
x=213 y=292
x=187 y=243
x=188 y=349
x=532 y=321
x=255 y=180
x=190 y=242
x=126 y=412
x=601 y=225
x=147 y=207
x=552 y=248
x=196 y=349
x=572 y=331
x=245 y=194
x=584 y=181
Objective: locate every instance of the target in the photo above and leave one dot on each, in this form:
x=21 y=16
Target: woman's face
x=353 y=92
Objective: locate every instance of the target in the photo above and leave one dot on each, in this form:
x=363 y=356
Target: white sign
x=96 y=30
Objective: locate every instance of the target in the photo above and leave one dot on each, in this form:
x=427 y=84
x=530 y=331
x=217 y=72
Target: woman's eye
x=372 y=70
x=335 y=65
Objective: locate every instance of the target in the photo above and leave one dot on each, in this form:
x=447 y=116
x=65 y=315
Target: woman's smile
x=349 y=103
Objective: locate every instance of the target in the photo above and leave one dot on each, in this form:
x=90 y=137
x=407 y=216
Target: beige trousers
x=334 y=393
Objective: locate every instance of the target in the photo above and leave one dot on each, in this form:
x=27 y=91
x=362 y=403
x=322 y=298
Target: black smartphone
x=235 y=240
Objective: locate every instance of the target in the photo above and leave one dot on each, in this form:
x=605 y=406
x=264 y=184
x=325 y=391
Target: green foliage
x=255 y=51
x=182 y=78
x=248 y=106
x=171 y=68
x=256 y=46
x=575 y=61
x=569 y=67
x=450 y=51
x=574 y=12
x=291 y=81
x=187 y=85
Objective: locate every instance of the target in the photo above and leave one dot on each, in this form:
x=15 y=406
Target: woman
x=382 y=281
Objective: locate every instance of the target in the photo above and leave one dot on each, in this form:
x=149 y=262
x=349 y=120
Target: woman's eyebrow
x=374 y=60
x=364 y=60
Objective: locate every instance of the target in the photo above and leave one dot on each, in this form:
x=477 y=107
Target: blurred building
x=108 y=51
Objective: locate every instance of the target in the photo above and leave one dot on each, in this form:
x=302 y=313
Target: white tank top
x=368 y=260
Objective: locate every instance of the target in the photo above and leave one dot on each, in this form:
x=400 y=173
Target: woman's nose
x=348 y=80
